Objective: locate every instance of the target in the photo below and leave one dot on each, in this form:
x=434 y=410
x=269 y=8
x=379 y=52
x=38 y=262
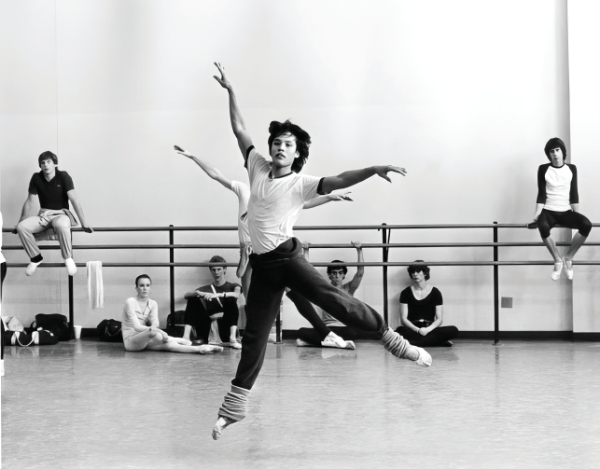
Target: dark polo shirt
x=53 y=193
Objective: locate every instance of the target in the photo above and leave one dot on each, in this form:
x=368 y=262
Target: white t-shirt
x=275 y=203
x=243 y=194
x=2 y=259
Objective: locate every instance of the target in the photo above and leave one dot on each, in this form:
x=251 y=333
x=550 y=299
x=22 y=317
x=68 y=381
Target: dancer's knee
x=585 y=228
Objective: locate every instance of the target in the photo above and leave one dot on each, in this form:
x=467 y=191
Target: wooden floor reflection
x=88 y=404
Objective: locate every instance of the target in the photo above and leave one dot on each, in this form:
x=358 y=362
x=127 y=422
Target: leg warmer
x=234 y=404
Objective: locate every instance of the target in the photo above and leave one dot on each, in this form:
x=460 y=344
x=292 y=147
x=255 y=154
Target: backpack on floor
x=23 y=339
x=55 y=323
x=109 y=330
x=176 y=325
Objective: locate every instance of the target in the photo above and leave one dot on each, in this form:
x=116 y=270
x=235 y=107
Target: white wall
x=584 y=38
x=463 y=94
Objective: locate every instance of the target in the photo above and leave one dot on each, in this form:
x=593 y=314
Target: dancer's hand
x=533 y=225
x=356 y=244
x=14 y=231
x=339 y=197
x=181 y=151
x=87 y=229
x=223 y=81
x=382 y=171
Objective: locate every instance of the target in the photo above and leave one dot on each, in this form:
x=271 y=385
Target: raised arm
x=79 y=211
x=208 y=168
x=324 y=199
x=360 y=270
x=350 y=178
x=235 y=116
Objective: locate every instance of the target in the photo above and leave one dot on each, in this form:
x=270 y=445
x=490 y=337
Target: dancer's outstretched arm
x=208 y=168
x=360 y=270
x=350 y=178
x=237 y=121
x=312 y=203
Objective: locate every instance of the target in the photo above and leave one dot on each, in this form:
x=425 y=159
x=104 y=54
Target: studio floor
x=87 y=404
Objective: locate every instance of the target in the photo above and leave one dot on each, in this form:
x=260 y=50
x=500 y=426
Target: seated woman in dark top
x=422 y=311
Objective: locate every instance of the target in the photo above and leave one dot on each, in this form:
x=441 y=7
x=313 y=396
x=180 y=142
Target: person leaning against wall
x=54 y=189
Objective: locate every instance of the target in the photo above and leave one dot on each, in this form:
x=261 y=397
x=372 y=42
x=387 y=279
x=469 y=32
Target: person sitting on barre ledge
x=422 y=311
x=55 y=190
x=558 y=204
x=140 y=325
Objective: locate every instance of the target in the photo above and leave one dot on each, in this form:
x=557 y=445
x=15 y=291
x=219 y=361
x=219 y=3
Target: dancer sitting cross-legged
x=141 y=330
x=558 y=204
x=422 y=311
x=278 y=194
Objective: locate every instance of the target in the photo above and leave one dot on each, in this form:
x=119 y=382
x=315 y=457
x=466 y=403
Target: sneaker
x=401 y=348
x=335 y=341
x=221 y=424
x=71 y=267
x=30 y=269
x=303 y=343
x=569 y=269
x=558 y=266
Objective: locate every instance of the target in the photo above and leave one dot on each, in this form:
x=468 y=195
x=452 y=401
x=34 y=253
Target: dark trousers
x=435 y=338
x=197 y=316
x=272 y=272
x=549 y=219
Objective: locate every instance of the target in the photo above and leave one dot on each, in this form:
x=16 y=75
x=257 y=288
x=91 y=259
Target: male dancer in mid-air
x=278 y=194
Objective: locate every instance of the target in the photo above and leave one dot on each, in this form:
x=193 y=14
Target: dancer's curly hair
x=276 y=129
x=555 y=143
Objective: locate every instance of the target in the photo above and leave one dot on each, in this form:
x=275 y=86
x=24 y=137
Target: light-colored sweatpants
x=30 y=226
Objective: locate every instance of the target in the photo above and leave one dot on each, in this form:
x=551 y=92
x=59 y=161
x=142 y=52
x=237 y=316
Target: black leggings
x=549 y=219
x=272 y=272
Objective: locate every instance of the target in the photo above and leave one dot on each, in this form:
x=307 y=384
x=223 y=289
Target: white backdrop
x=464 y=94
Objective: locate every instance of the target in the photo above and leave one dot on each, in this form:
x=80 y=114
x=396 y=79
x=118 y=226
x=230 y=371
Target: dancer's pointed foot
x=568 y=268
x=558 y=266
x=221 y=424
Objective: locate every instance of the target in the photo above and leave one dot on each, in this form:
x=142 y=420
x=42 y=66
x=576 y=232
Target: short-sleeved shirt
x=423 y=309
x=132 y=309
x=53 y=193
x=557 y=187
x=243 y=194
x=275 y=203
x=213 y=306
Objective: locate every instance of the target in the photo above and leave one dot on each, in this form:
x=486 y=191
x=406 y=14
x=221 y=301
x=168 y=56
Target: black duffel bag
x=55 y=323
x=109 y=330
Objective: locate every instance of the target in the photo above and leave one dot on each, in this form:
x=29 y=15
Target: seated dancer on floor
x=244 y=270
x=55 y=190
x=140 y=325
x=422 y=311
x=558 y=204
x=279 y=192
x=215 y=301
x=330 y=332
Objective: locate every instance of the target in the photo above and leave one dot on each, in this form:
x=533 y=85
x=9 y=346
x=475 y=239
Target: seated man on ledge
x=55 y=190
x=216 y=301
